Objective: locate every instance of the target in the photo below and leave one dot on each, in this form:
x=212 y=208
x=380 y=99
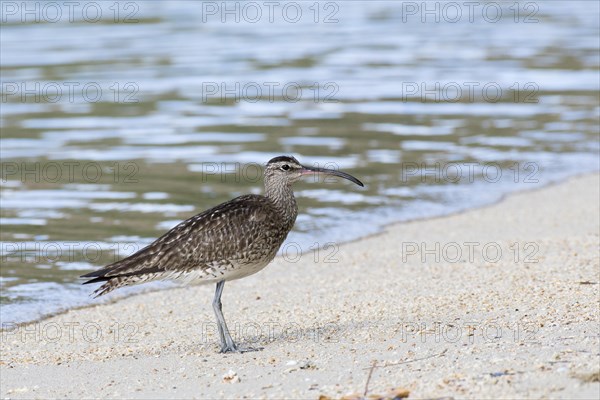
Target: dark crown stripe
x=282 y=158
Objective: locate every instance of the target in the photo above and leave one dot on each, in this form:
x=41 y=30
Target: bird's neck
x=283 y=198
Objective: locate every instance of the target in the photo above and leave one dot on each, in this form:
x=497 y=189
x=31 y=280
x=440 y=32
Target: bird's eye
x=285 y=167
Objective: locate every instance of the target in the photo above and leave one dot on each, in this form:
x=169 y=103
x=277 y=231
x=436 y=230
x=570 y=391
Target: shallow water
x=114 y=132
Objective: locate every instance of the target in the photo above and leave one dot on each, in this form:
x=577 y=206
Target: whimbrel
x=230 y=241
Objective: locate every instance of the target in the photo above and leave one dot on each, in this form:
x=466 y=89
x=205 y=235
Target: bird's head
x=285 y=170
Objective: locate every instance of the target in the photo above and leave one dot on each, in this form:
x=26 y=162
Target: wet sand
x=499 y=302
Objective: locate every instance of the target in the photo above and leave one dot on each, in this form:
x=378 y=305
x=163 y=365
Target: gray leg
x=227 y=344
x=219 y=312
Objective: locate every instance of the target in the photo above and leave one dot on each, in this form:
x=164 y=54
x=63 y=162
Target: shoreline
x=503 y=198
x=381 y=231
x=436 y=325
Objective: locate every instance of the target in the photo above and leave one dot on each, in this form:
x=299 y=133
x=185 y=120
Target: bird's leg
x=227 y=343
x=219 y=312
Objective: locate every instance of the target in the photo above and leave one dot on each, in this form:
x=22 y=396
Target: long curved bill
x=315 y=170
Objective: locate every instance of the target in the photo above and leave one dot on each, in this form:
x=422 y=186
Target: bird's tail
x=115 y=281
x=111 y=279
x=135 y=269
x=110 y=283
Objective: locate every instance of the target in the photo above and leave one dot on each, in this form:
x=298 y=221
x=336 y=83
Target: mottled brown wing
x=225 y=232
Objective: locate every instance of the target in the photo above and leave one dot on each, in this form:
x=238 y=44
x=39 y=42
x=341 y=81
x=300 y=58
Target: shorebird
x=230 y=241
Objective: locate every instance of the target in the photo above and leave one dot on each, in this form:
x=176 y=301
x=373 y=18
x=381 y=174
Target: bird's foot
x=233 y=348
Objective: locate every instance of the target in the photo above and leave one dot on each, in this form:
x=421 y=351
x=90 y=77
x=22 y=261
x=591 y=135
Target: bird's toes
x=238 y=349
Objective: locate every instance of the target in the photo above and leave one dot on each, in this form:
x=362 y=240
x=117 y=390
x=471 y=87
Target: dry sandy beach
x=499 y=302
